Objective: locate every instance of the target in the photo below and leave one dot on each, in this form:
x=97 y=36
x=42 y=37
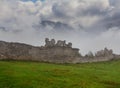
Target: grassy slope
x=44 y=75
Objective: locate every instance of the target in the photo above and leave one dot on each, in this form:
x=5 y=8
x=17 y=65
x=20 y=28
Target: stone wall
x=102 y=55
x=55 y=52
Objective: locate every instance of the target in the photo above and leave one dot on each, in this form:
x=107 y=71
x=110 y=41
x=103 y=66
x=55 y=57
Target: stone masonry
x=54 y=52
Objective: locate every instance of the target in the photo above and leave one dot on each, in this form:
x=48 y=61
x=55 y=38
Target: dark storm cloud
x=94 y=10
x=58 y=12
x=112 y=21
x=114 y=2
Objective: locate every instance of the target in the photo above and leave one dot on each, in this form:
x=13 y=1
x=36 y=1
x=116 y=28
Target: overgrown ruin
x=52 y=51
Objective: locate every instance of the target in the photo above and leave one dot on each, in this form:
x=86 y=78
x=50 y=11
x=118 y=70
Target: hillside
x=15 y=74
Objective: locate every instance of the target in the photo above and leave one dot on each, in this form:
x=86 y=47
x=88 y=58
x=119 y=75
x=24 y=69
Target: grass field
x=15 y=74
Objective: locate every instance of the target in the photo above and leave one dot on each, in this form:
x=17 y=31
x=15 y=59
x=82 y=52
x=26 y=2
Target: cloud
x=93 y=24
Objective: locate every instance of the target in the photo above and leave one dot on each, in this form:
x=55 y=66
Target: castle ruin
x=52 y=51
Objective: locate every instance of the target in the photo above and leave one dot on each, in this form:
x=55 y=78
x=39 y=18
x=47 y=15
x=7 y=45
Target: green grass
x=15 y=74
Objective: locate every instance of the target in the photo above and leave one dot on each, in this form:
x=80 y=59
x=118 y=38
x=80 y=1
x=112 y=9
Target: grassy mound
x=15 y=74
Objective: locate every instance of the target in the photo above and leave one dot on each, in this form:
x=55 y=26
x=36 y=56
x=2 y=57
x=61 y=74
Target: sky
x=33 y=0
x=91 y=25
